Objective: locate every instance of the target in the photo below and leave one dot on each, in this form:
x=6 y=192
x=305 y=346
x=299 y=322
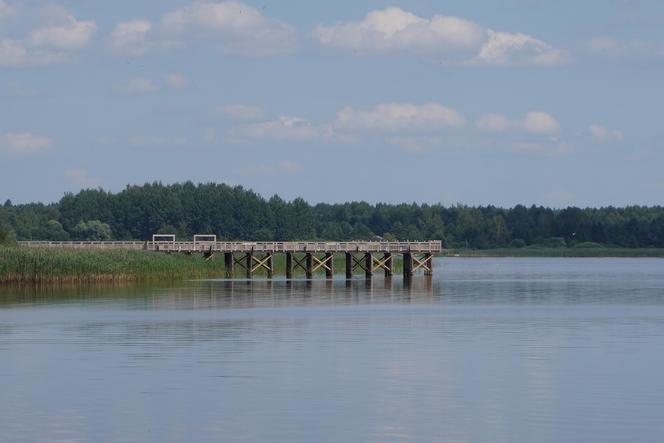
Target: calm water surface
x=494 y=350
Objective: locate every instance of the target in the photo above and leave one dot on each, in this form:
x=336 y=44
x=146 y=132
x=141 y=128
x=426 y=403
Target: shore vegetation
x=236 y=213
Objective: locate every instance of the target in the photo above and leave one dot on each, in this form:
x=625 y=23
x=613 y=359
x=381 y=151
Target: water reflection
x=495 y=350
x=261 y=294
x=456 y=281
x=235 y=293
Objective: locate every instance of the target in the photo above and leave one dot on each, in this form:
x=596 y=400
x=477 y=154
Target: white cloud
x=138 y=85
x=283 y=128
x=14 y=53
x=6 y=9
x=537 y=122
x=284 y=167
x=237 y=27
x=534 y=122
x=176 y=81
x=65 y=32
x=81 y=179
x=241 y=112
x=393 y=29
x=130 y=38
x=464 y=42
x=505 y=48
x=24 y=143
x=49 y=44
x=601 y=134
x=399 y=117
x=494 y=123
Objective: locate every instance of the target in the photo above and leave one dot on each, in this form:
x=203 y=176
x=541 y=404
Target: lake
x=488 y=350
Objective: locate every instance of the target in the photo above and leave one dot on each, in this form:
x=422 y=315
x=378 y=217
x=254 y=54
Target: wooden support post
x=228 y=264
x=407 y=265
x=387 y=258
x=329 y=260
x=249 y=260
x=368 y=265
x=289 y=265
x=349 y=265
x=428 y=264
x=310 y=265
x=270 y=268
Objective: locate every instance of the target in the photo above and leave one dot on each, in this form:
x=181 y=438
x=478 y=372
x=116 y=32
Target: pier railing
x=84 y=244
x=246 y=246
x=202 y=246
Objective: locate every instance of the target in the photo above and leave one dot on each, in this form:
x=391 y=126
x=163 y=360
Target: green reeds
x=36 y=265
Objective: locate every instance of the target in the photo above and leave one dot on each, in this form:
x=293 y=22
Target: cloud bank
x=394 y=30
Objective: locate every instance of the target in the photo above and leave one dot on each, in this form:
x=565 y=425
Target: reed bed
x=36 y=265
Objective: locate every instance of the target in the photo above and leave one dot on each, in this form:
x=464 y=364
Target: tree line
x=235 y=213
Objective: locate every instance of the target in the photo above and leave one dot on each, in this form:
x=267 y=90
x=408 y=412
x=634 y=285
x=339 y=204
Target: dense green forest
x=237 y=213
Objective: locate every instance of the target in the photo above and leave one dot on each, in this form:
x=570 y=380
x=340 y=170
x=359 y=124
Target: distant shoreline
x=557 y=252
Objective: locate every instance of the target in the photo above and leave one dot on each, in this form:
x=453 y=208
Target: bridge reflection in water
x=234 y=293
x=221 y=294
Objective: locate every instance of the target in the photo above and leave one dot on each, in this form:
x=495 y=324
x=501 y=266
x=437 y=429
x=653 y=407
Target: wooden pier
x=365 y=257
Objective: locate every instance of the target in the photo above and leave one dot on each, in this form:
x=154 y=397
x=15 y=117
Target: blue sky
x=491 y=102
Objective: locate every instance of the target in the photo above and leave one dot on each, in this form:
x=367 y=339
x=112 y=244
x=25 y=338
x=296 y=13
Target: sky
x=498 y=102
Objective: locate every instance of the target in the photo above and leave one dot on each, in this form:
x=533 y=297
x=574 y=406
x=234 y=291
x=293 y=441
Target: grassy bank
x=558 y=252
x=34 y=265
